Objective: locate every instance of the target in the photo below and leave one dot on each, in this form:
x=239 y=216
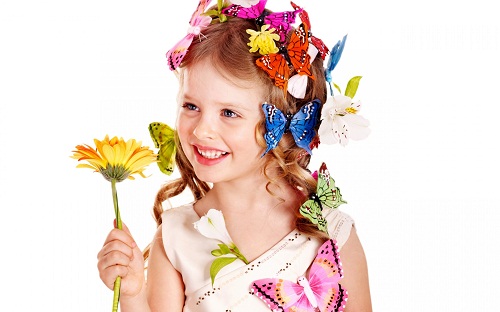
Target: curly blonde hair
x=225 y=45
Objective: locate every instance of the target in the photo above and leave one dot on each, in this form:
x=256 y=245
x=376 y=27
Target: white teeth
x=211 y=154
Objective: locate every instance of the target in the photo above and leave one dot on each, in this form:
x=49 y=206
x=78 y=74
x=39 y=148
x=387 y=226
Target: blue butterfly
x=301 y=125
x=335 y=54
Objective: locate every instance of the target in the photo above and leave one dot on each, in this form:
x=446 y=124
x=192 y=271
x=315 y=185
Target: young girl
x=227 y=158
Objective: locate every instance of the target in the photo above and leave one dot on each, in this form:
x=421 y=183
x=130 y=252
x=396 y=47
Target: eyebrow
x=235 y=106
x=229 y=105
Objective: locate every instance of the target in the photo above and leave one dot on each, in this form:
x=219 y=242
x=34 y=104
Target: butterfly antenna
x=201 y=35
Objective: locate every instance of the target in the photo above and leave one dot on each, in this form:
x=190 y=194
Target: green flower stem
x=235 y=251
x=115 y=203
x=116 y=289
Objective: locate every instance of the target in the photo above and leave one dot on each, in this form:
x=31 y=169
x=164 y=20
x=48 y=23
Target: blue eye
x=190 y=106
x=229 y=113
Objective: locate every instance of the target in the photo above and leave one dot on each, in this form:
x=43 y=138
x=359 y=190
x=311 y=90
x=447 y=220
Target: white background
x=423 y=187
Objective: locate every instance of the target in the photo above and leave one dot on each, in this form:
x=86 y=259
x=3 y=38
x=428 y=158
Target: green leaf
x=218 y=264
x=217 y=253
x=224 y=249
x=352 y=86
x=337 y=87
x=211 y=12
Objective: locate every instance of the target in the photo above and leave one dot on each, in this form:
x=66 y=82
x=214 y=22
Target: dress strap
x=339 y=225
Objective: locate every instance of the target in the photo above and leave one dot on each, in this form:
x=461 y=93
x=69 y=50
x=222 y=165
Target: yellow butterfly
x=163 y=138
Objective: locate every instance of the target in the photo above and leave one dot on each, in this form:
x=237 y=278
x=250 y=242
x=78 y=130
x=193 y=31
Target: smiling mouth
x=211 y=154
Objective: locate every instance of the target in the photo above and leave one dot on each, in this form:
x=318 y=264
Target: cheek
x=183 y=129
x=247 y=141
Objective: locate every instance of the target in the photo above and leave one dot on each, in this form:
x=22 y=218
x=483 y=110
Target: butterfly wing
x=281 y=295
x=328 y=193
x=197 y=21
x=179 y=50
x=281 y=22
x=335 y=55
x=324 y=277
x=163 y=138
x=200 y=9
x=324 y=190
x=303 y=123
x=251 y=12
x=318 y=43
x=304 y=17
x=297 y=50
x=275 y=125
x=276 y=67
x=312 y=211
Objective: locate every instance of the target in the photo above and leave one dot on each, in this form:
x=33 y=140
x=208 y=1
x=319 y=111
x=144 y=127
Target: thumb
x=125 y=229
x=124 y=226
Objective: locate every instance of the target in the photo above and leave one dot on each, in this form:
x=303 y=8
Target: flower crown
x=286 y=56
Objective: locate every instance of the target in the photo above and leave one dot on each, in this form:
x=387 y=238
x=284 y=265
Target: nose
x=205 y=129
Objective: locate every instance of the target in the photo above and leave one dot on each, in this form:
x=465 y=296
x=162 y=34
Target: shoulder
x=178 y=211
x=340 y=225
x=178 y=220
x=355 y=271
x=174 y=217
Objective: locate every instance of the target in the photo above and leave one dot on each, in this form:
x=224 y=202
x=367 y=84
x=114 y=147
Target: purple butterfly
x=321 y=291
x=196 y=23
x=280 y=21
x=301 y=125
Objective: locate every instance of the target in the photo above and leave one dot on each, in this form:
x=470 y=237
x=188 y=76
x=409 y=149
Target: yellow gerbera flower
x=114 y=158
x=263 y=40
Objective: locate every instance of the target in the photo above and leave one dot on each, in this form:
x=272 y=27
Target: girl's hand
x=120 y=256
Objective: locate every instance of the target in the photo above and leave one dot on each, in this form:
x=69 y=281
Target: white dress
x=190 y=254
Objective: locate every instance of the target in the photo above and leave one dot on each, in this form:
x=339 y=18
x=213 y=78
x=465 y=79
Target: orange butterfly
x=277 y=65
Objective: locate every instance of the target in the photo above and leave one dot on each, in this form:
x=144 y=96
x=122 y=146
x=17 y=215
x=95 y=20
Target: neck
x=251 y=195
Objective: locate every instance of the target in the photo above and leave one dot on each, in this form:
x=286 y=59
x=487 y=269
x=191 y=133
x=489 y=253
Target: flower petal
x=341 y=102
x=212 y=225
x=114 y=153
x=326 y=134
x=357 y=126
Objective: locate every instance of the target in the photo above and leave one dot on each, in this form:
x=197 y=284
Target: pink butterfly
x=281 y=21
x=320 y=292
x=197 y=22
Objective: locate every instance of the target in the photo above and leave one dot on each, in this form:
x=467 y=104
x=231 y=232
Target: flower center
x=351 y=110
x=116 y=172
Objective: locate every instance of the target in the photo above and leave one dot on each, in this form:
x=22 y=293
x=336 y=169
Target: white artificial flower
x=212 y=225
x=244 y=3
x=340 y=121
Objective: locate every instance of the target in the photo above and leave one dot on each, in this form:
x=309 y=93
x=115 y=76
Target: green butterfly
x=327 y=195
x=163 y=138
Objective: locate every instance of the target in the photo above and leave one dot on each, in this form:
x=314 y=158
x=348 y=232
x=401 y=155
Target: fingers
x=122 y=235
x=116 y=256
x=116 y=246
x=124 y=227
x=108 y=274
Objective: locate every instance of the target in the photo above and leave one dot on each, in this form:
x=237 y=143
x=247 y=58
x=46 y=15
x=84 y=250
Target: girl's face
x=216 y=125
